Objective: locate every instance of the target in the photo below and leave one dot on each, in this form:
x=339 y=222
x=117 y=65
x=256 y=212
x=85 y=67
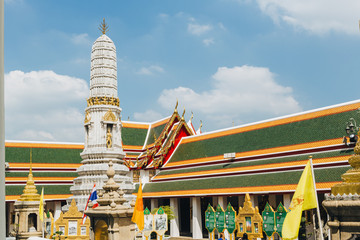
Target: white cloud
x=318 y=17
x=208 y=41
x=147 y=116
x=163 y=15
x=41 y=105
x=150 y=70
x=198 y=29
x=80 y=39
x=221 y=26
x=238 y=94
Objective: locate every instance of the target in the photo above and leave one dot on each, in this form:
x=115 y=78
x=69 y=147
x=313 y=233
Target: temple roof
x=247 y=158
x=250 y=157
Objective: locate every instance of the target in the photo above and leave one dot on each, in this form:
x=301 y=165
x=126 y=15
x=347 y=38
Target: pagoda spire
x=103 y=27
x=30 y=192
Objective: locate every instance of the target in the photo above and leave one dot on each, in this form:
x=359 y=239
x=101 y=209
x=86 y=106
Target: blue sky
x=228 y=61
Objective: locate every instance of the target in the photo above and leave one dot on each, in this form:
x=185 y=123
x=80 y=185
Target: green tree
x=167 y=209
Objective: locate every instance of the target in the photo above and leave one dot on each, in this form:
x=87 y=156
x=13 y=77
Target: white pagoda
x=102 y=127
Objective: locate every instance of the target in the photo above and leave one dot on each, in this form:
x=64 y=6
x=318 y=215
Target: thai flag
x=92 y=197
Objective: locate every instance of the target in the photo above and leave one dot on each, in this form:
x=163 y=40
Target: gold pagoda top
x=351 y=179
x=30 y=192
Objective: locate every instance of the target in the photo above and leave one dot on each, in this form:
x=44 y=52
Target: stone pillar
x=154 y=203
x=196 y=218
x=222 y=202
x=57 y=210
x=241 y=201
x=174 y=224
x=254 y=200
x=287 y=200
x=272 y=201
x=144 y=176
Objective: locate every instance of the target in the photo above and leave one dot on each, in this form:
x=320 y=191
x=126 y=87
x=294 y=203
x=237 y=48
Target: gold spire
x=30 y=191
x=192 y=116
x=182 y=117
x=176 y=105
x=103 y=27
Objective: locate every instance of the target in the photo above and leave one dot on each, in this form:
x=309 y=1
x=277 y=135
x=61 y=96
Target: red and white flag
x=93 y=197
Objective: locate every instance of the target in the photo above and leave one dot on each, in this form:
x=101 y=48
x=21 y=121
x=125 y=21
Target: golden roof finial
x=182 y=117
x=177 y=102
x=192 y=116
x=200 y=124
x=103 y=27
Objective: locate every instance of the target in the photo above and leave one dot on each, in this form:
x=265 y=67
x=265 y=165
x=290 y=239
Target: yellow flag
x=138 y=215
x=41 y=206
x=304 y=199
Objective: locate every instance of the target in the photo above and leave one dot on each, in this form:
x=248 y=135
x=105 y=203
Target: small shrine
x=343 y=204
x=249 y=220
x=70 y=224
x=111 y=219
x=27 y=220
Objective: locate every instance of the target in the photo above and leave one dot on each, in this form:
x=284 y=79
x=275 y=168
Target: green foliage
x=168 y=210
x=57 y=235
x=302 y=229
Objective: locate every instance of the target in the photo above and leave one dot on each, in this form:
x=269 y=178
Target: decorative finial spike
x=103 y=27
x=30 y=172
x=176 y=105
x=192 y=116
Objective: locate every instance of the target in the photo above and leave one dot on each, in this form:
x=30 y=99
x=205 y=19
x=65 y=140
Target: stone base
x=344 y=220
x=25 y=236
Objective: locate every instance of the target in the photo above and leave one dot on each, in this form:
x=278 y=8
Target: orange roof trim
x=236 y=190
x=46 y=196
x=249 y=168
x=44 y=145
x=45 y=165
x=273 y=123
x=260 y=152
x=136 y=125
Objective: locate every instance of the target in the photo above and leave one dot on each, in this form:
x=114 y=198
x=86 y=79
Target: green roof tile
x=259 y=162
x=291 y=177
x=157 y=131
x=133 y=136
x=282 y=135
x=42 y=174
x=42 y=155
x=48 y=189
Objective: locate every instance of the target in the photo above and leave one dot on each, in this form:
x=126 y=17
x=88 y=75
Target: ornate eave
x=109 y=117
x=103 y=101
x=151 y=150
x=161 y=156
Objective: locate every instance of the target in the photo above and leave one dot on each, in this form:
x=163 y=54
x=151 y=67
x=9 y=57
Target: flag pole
x=317 y=200
x=43 y=229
